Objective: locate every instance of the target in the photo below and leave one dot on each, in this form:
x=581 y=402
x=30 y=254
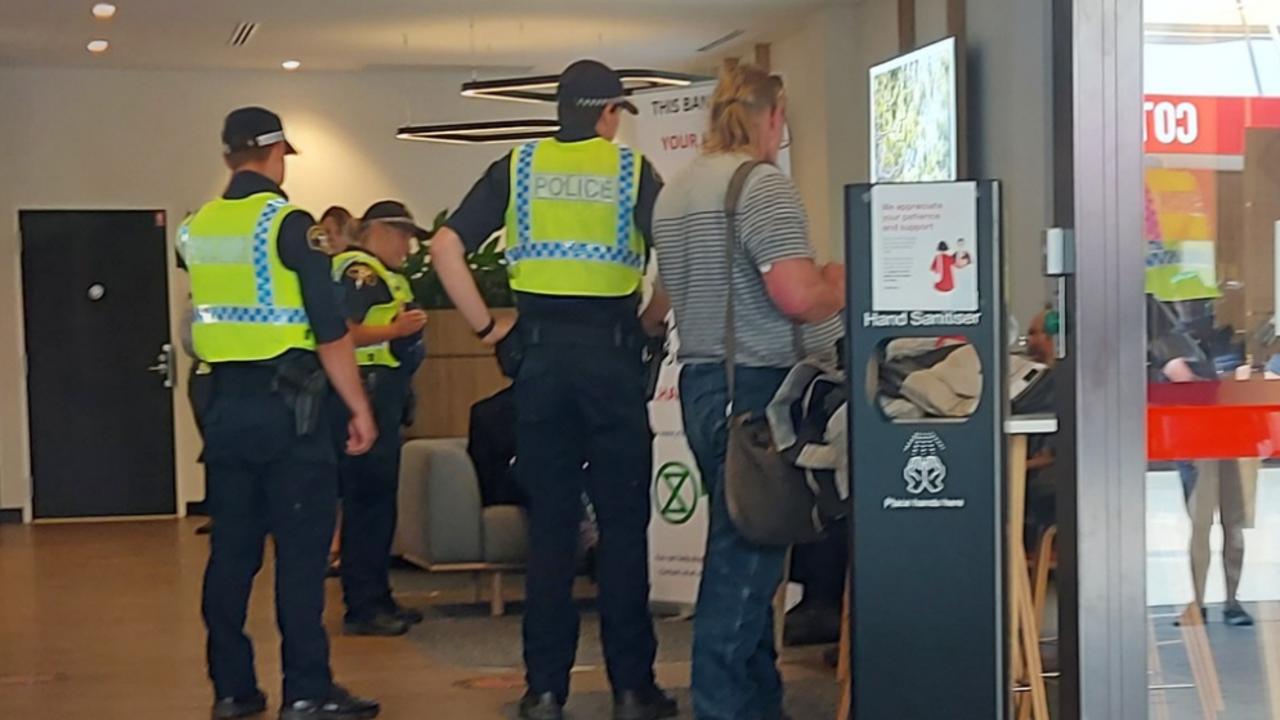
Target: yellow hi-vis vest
x=571 y=219
x=378 y=315
x=247 y=304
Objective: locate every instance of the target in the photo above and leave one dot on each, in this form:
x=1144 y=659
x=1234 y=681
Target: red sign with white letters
x=1203 y=125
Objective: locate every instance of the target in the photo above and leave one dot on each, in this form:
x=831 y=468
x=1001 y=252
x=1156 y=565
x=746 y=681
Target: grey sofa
x=443 y=526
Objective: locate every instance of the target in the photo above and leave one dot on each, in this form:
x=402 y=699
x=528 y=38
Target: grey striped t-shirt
x=689 y=235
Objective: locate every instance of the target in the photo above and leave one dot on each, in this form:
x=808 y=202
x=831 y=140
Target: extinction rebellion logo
x=675 y=493
x=925 y=474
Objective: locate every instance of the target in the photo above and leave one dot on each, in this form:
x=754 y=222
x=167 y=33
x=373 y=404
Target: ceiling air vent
x=243 y=33
x=726 y=38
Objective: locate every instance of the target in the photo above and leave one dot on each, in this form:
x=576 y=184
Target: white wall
x=83 y=139
x=1010 y=90
x=824 y=65
x=799 y=58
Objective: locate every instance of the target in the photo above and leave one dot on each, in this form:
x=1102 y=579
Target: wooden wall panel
x=459 y=371
x=1262 y=210
x=1230 y=247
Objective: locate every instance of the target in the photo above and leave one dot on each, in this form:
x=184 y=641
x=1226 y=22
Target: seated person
x=1042 y=489
x=491 y=443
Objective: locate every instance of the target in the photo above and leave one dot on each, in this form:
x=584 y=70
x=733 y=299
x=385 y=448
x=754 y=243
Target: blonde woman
x=776 y=286
x=386 y=325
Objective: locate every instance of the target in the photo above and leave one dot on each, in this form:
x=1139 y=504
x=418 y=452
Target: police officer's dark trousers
x=580 y=393
x=369 y=484
x=263 y=479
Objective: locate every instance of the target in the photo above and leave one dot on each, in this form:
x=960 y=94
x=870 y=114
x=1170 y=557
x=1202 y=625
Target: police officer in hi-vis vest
x=386 y=325
x=577 y=210
x=267 y=320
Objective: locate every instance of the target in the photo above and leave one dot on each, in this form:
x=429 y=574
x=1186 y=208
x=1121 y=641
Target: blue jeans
x=735 y=663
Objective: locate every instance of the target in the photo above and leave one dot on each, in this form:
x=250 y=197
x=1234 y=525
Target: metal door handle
x=164 y=364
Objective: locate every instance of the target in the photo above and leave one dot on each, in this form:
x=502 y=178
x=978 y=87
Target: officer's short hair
x=237 y=159
x=575 y=116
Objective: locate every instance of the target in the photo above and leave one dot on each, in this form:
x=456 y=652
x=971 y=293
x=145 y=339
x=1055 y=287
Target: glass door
x=1210 y=232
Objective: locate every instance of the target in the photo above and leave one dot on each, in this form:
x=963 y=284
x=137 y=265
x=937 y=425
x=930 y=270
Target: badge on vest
x=362 y=276
x=318 y=238
x=580 y=188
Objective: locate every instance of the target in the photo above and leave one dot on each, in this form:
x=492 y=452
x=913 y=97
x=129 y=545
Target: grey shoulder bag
x=768 y=497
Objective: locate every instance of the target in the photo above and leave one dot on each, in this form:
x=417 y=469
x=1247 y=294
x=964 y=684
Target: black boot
x=541 y=706
x=339 y=705
x=380 y=625
x=812 y=623
x=651 y=704
x=407 y=615
x=231 y=708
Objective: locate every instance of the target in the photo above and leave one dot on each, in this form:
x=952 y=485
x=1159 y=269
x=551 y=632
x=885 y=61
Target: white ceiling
x=364 y=34
x=1219 y=13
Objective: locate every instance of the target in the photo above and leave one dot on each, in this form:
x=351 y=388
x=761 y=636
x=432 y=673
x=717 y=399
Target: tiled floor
x=1245 y=662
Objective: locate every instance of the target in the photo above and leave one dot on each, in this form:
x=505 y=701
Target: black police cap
x=394 y=212
x=592 y=84
x=253 y=127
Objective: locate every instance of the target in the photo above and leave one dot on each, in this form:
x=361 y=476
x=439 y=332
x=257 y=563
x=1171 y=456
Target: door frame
x=1105 y=636
x=22 y=398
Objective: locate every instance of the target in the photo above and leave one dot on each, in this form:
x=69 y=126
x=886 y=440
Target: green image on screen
x=913 y=117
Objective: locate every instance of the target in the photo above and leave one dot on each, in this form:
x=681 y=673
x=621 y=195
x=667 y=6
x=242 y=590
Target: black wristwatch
x=482 y=334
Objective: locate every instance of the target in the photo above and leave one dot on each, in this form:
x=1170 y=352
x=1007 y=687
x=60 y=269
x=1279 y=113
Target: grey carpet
x=812 y=700
x=465 y=636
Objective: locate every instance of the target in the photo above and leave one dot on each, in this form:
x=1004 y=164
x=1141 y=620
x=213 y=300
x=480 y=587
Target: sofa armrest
x=440 y=514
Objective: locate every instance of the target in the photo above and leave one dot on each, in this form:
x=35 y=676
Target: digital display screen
x=913 y=116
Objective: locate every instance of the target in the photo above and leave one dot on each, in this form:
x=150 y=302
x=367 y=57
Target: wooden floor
x=101 y=622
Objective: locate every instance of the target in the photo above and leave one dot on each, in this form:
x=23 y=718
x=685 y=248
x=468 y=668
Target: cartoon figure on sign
x=943 y=266
x=924 y=472
x=946 y=262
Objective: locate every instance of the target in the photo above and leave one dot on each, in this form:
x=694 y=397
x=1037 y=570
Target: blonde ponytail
x=744 y=93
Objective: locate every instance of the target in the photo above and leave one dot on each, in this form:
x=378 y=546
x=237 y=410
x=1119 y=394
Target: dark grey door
x=96 y=308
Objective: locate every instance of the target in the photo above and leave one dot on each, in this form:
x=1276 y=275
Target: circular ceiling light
x=104 y=11
x=291 y=65
x=97 y=47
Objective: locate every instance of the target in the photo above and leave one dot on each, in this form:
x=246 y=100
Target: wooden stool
x=1046 y=561
x=844 y=673
x=1024 y=624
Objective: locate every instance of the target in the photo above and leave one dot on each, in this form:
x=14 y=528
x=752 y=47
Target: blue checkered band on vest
x=526 y=248
x=251 y=315
x=265 y=313
x=262 y=249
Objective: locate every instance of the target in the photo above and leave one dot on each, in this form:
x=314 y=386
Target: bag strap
x=731 y=198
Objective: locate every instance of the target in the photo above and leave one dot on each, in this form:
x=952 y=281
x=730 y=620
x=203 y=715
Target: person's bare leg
x=1201 y=506
x=1235 y=519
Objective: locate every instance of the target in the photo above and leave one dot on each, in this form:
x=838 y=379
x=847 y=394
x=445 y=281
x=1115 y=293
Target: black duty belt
x=543 y=332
